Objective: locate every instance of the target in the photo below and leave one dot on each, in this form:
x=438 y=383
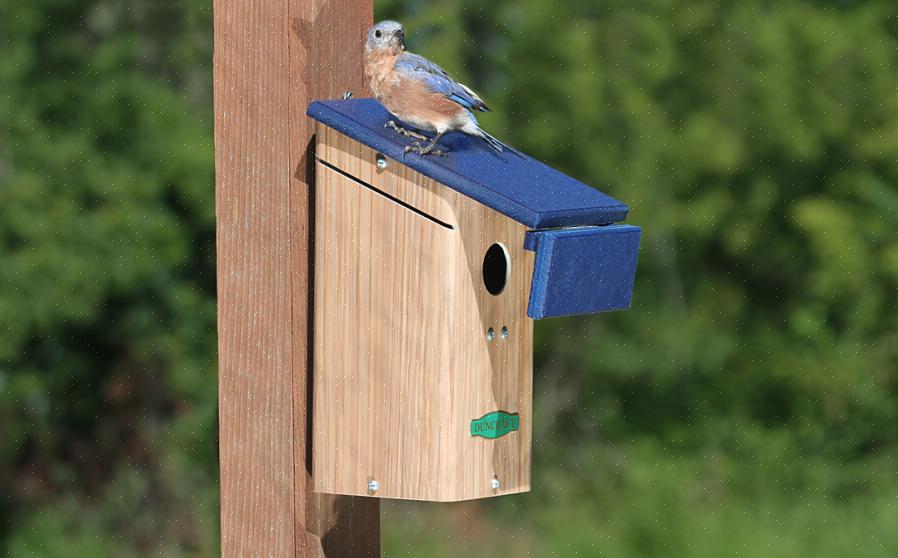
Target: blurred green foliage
x=107 y=308
x=745 y=406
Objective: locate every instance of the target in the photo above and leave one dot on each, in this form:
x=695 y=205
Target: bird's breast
x=414 y=102
x=379 y=70
x=410 y=99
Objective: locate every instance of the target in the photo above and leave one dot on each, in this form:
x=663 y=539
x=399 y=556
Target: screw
x=381 y=161
x=373 y=485
x=490 y=334
x=504 y=332
x=495 y=484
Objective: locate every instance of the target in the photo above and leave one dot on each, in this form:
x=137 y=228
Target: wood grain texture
x=402 y=362
x=326 y=44
x=272 y=57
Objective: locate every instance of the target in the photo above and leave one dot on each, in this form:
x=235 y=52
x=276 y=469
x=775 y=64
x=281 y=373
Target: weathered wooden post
x=272 y=57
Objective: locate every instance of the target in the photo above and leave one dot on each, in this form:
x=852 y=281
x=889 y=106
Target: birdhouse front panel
x=423 y=349
x=429 y=271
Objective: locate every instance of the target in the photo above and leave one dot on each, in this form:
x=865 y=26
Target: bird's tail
x=498 y=145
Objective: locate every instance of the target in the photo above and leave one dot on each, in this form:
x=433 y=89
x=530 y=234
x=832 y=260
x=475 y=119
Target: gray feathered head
x=386 y=35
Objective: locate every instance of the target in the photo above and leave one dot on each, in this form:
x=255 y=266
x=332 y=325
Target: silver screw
x=381 y=161
x=373 y=485
x=490 y=334
x=504 y=333
x=495 y=484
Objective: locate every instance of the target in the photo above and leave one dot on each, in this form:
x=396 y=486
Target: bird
x=419 y=92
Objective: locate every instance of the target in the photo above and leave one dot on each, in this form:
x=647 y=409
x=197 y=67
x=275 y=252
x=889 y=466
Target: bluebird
x=420 y=93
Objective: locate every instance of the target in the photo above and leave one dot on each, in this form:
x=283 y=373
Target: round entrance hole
x=496 y=267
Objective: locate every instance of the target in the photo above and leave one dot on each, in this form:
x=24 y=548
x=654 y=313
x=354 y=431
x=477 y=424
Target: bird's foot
x=423 y=150
x=400 y=130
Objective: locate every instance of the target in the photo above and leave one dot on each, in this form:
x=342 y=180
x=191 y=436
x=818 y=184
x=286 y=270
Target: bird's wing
x=439 y=81
x=414 y=62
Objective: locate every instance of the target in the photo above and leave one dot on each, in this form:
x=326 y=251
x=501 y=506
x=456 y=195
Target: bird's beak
x=400 y=37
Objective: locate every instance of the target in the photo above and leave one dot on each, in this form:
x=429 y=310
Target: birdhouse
x=429 y=272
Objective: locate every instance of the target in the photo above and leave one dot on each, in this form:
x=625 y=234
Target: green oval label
x=495 y=425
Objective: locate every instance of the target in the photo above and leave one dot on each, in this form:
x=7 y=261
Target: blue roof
x=522 y=188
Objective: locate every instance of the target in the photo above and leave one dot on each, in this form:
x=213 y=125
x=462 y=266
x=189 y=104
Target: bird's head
x=386 y=35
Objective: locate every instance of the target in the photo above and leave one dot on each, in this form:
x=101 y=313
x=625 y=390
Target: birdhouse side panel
x=378 y=398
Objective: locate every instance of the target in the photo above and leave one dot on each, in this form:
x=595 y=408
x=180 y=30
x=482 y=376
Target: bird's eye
x=378 y=34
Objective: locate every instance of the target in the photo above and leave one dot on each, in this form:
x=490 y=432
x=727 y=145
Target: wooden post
x=272 y=57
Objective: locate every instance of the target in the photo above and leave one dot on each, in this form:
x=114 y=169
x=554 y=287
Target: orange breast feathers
x=414 y=102
x=379 y=70
x=411 y=100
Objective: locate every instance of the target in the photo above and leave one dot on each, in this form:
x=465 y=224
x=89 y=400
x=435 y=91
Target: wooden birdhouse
x=429 y=272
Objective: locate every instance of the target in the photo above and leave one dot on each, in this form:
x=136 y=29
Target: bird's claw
x=400 y=130
x=422 y=150
x=416 y=146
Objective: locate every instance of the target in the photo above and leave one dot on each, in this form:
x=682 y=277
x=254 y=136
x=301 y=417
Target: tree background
x=745 y=406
